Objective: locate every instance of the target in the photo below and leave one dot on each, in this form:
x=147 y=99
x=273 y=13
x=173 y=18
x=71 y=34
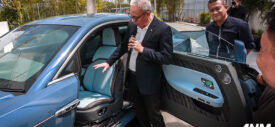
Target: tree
x=99 y=6
x=10 y=15
x=254 y=5
x=17 y=12
x=12 y=12
x=173 y=7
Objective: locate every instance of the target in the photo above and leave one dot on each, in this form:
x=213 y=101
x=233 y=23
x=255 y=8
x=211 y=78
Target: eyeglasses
x=137 y=17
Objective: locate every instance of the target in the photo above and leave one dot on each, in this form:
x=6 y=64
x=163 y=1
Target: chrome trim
x=43 y=121
x=67 y=108
x=62 y=111
x=61 y=78
x=82 y=41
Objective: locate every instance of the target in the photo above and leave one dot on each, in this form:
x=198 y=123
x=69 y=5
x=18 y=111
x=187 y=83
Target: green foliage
x=12 y=12
x=253 y=5
x=99 y=6
x=18 y=12
x=160 y=3
x=204 y=18
x=260 y=32
x=10 y=15
x=257 y=32
x=157 y=16
x=172 y=7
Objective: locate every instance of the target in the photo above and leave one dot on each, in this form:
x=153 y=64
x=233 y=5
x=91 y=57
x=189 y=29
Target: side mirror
x=239 y=52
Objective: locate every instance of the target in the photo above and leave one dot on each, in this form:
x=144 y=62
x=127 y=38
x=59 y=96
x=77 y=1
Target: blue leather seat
x=103 y=95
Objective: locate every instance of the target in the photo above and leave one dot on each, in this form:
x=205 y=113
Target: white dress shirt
x=139 y=36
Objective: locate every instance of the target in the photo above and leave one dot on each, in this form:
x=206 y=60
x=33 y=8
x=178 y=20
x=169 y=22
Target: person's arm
x=164 y=55
x=121 y=49
x=246 y=36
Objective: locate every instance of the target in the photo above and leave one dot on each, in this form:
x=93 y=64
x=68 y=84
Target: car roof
x=82 y=19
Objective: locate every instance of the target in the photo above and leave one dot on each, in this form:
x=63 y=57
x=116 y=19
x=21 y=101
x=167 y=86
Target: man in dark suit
x=150 y=41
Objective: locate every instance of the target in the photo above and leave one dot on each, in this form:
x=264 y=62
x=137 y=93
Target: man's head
x=140 y=12
x=266 y=56
x=218 y=11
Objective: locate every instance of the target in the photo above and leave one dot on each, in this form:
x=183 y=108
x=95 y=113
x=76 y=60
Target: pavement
x=172 y=121
x=184 y=26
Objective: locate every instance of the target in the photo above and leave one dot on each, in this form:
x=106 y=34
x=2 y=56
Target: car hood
x=5 y=96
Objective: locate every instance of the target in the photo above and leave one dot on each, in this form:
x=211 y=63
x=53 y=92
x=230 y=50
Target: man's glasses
x=137 y=17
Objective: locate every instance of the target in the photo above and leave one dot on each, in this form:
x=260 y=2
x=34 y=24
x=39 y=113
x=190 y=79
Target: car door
x=51 y=106
x=202 y=90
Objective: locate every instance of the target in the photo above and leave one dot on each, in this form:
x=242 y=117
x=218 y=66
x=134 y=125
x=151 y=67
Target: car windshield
x=197 y=42
x=25 y=51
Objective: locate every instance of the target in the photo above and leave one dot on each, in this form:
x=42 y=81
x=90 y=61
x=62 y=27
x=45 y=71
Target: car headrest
x=104 y=52
x=108 y=37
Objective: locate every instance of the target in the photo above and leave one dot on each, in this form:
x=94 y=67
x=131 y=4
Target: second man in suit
x=150 y=41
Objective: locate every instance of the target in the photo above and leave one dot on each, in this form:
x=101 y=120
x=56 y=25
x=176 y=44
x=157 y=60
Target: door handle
x=67 y=108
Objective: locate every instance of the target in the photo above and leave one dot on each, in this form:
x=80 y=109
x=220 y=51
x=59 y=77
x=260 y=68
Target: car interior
x=100 y=94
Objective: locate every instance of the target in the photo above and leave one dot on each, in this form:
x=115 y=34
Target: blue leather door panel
x=192 y=84
x=203 y=91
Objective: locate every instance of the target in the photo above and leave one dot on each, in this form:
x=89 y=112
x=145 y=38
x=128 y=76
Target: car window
x=89 y=48
x=71 y=67
x=122 y=30
x=25 y=51
x=201 y=43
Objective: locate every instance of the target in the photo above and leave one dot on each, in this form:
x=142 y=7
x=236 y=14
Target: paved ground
x=169 y=119
x=183 y=26
x=172 y=121
x=251 y=60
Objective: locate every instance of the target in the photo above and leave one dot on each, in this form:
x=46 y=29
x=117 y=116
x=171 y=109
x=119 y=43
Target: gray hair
x=144 y=5
x=212 y=1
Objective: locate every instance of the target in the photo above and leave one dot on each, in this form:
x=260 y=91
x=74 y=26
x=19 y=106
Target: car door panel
x=197 y=85
x=40 y=108
x=188 y=107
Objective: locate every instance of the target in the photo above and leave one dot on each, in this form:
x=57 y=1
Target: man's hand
x=104 y=65
x=134 y=44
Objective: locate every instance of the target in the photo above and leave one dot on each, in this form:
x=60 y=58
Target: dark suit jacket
x=158 y=48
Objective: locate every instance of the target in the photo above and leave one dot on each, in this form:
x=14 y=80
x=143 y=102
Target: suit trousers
x=146 y=106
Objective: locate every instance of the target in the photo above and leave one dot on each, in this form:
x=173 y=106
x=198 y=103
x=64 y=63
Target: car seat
x=103 y=95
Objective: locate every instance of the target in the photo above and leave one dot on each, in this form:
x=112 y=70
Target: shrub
x=204 y=18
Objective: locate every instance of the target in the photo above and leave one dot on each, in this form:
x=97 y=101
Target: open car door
x=203 y=90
